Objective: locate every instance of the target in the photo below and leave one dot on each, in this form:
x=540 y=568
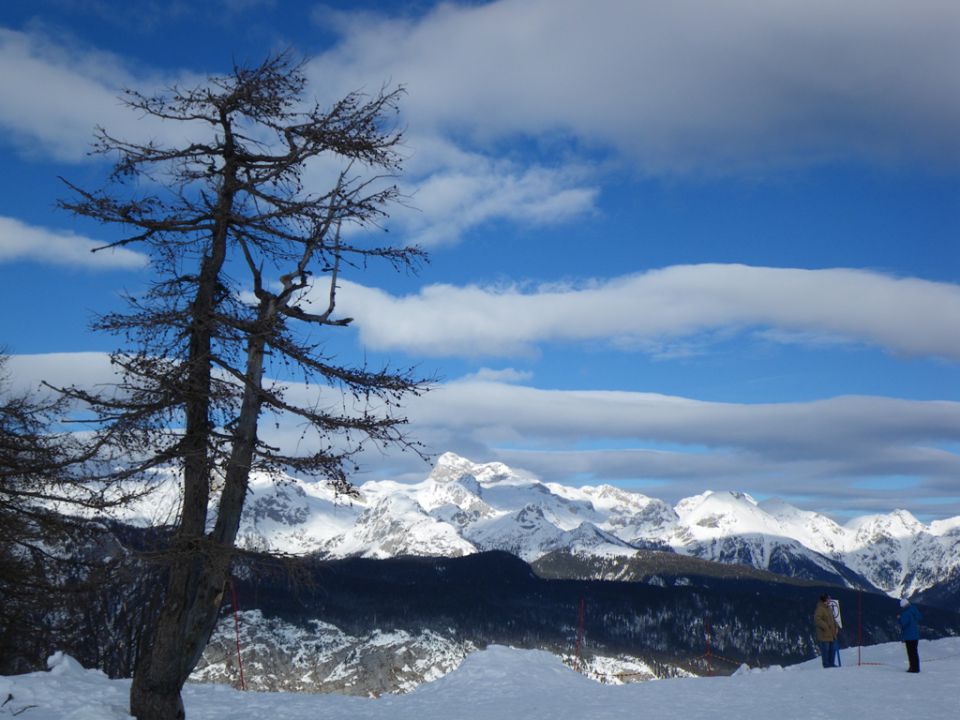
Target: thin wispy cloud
x=27 y=373
x=902 y=315
x=647 y=438
x=33 y=118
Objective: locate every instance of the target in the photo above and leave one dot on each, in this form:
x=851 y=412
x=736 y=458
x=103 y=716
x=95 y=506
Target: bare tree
x=49 y=509
x=238 y=244
x=29 y=456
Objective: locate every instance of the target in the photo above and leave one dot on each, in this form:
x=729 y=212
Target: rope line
x=712 y=656
x=945 y=657
x=580 y=630
x=925 y=660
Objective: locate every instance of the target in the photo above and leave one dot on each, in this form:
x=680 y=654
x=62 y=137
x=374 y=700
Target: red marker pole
x=859 y=625
x=580 y=631
x=706 y=624
x=236 y=629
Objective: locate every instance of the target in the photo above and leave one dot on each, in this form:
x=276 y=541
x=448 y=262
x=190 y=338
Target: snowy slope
x=900 y=554
x=500 y=683
x=734 y=528
x=290 y=516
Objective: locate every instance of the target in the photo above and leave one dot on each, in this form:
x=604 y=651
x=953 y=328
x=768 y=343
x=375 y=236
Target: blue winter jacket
x=910 y=623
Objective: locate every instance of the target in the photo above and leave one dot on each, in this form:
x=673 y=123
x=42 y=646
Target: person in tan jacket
x=826 y=630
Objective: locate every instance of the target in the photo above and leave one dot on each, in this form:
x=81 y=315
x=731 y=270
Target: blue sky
x=673 y=247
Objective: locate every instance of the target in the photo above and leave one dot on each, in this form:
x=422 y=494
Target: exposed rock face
x=319 y=657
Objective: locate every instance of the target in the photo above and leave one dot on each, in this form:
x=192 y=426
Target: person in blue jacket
x=909 y=619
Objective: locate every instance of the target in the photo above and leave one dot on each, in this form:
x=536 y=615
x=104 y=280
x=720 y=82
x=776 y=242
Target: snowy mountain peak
x=450 y=467
x=815 y=531
x=950 y=526
x=610 y=497
x=730 y=500
x=464 y=493
x=897 y=524
x=725 y=511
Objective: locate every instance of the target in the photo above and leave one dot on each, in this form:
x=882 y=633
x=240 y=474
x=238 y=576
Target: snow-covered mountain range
x=464 y=507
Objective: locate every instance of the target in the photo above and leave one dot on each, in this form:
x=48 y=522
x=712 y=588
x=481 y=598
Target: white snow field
x=502 y=683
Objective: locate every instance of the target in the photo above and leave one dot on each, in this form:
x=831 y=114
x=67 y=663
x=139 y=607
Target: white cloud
x=83 y=369
x=680 y=86
x=50 y=99
x=675 y=88
x=672 y=447
x=813 y=484
x=680 y=446
x=903 y=315
x=55 y=94
x=829 y=428
x=505 y=375
x=19 y=241
x=452 y=191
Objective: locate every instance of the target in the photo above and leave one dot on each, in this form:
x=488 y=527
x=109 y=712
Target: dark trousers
x=826 y=653
x=912 y=655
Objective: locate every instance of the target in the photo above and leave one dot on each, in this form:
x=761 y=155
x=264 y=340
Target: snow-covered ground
x=505 y=683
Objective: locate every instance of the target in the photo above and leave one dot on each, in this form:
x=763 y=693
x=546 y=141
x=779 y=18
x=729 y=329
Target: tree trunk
x=185 y=625
x=198 y=569
x=187 y=618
